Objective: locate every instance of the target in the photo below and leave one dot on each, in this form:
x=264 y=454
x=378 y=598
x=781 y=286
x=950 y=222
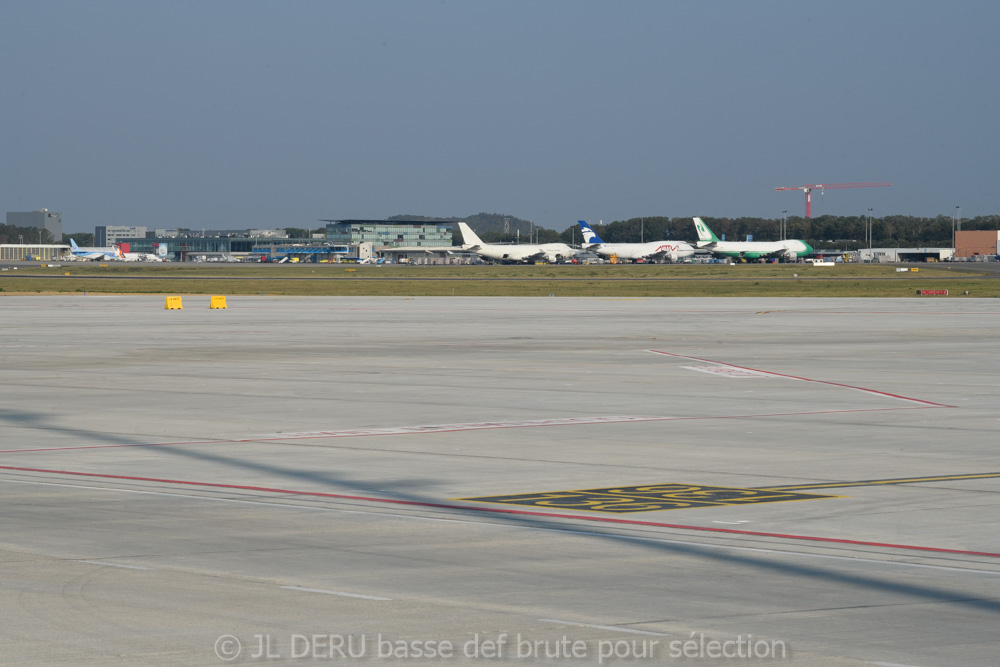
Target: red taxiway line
x=495 y=510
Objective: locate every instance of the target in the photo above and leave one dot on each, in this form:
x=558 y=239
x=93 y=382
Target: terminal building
x=387 y=234
x=184 y=248
x=242 y=248
x=186 y=245
x=311 y=252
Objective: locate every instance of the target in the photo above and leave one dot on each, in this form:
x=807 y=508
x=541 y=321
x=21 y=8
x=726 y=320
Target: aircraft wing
x=664 y=251
x=781 y=252
x=536 y=256
x=659 y=254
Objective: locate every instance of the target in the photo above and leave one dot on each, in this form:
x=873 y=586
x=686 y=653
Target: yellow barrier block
x=66 y=274
x=218 y=302
x=174 y=303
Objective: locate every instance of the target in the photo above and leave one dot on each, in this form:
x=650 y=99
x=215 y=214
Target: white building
x=895 y=255
x=106 y=235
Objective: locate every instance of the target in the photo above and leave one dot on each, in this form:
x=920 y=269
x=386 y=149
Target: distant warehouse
x=894 y=255
x=977 y=244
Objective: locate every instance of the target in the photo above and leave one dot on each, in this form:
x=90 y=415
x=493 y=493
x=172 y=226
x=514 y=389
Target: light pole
x=642 y=230
x=957 y=225
x=870 y=229
x=784 y=214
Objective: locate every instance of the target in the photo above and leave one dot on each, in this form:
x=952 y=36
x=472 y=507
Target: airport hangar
x=29 y=252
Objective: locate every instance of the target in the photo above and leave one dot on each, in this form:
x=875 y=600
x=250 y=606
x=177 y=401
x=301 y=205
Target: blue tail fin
x=73 y=244
x=588 y=234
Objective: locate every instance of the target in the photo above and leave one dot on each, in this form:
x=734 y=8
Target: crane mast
x=829 y=186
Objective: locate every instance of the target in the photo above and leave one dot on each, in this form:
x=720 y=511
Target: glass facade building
x=389 y=233
x=181 y=246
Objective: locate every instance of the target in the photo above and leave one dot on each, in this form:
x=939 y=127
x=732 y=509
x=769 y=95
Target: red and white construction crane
x=830 y=186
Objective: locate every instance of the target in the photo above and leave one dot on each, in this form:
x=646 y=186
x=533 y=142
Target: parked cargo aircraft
x=112 y=252
x=524 y=252
x=652 y=251
x=789 y=249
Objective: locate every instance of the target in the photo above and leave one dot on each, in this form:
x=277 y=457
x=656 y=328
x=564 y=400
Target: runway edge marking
x=456 y=428
x=802 y=379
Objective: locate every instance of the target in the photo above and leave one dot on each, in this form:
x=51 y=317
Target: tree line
x=32 y=235
x=40 y=236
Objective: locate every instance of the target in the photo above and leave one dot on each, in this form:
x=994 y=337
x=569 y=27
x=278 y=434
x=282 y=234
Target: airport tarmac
x=477 y=481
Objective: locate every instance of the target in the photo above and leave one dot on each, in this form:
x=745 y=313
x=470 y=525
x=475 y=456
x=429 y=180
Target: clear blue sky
x=233 y=114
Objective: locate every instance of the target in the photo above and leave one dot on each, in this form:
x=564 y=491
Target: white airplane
x=524 y=252
x=789 y=249
x=140 y=257
x=159 y=256
x=112 y=252
x=652 y=251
